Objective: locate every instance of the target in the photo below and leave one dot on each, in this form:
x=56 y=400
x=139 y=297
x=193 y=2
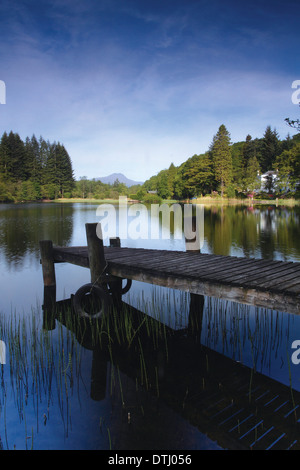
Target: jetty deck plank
x=263 y=283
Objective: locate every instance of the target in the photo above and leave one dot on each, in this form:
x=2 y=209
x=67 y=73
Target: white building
x=269 y=175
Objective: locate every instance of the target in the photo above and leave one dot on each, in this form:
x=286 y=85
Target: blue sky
x=131 y=86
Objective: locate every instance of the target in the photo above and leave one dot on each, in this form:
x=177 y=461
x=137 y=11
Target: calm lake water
x=56 y=393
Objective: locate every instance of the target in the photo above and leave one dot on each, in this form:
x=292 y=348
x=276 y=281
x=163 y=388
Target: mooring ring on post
x=95 y=296
x=124 y=289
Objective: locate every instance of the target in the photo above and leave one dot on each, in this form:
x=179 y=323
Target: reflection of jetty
x=263 y=283
x=230 y=403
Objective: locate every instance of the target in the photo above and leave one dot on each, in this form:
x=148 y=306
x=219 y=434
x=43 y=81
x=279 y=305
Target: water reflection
x=255 y=231
x=267 y=232
x=22 y=226
x=77 y=390
x=128 y=382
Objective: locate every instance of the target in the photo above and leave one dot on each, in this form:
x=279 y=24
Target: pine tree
x=270 y=149
x=13 y=158
x=4 y=156
x=221 y=157
x=34 y=160
x=249 y=150
x=58 y=169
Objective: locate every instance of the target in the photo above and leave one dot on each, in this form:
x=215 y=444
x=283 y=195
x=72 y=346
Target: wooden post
x=97 y=261
x=116 y=282
x=196 y=316
x=46 y=251
x=196 y=301
x=115 y=242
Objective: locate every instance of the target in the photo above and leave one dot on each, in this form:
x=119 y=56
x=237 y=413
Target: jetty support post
x=48 y=268
x=97 y=261
x=116 y=282
x=96 y=255
x=196 y=300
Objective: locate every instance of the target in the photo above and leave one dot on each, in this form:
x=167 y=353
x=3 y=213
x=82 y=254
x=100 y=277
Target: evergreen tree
x=249 y=150
x=13 y=158
x=33 y=164
x=4 y=157
x=58 y=170
x=286 y=144
x=270 y=149
x=221 y=157
x=44 y=168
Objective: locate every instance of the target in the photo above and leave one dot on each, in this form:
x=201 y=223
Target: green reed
x=38 y=362
x=45 y=366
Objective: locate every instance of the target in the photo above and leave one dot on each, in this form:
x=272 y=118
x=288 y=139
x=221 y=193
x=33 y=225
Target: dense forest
x=34 y=169
x=37 y=169
x=233 y=170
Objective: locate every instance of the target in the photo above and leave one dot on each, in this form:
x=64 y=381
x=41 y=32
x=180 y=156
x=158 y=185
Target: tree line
x=37 y=169
x=33 y=169
x=232 y=169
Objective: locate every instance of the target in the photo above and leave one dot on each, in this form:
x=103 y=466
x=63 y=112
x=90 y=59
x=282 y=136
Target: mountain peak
x=110 y=179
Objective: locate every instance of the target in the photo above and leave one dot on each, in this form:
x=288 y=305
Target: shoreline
x=204 y=201
x=201 y=201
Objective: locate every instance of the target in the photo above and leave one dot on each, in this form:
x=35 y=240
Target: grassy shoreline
x=202 y=200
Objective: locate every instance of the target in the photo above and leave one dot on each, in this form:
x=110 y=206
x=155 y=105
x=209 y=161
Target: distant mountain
x=110 y=179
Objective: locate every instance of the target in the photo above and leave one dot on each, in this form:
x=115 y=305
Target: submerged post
x=95 y=251
x=196 y=300
x=116 y=282
x=47 y=261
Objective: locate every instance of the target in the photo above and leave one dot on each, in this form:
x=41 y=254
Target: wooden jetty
x=262 y=283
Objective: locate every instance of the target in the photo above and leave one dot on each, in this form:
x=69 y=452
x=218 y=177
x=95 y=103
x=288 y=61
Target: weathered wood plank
x=292 y=287
x=265 y=283
x=61 y=256
x=233 y=293
x=196 y=265
x=275 y=279
x=228 y=276
x=237 y=270
x=257 y=273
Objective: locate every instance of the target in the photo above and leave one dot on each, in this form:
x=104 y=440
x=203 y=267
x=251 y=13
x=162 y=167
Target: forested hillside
x=231 y=169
